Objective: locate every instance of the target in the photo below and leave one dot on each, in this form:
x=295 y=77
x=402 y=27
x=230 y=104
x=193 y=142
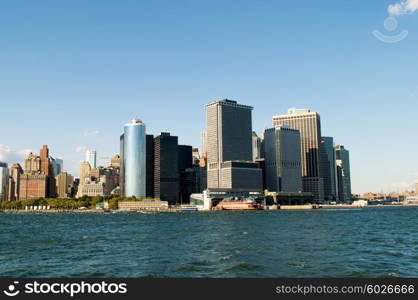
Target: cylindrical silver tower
x=134 y=159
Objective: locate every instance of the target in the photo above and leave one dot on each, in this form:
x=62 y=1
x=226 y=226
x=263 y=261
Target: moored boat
x=238 y=203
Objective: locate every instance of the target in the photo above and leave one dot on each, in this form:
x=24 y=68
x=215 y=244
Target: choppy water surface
x=369 y=242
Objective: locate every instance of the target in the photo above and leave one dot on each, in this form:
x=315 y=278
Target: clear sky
x=72 y=73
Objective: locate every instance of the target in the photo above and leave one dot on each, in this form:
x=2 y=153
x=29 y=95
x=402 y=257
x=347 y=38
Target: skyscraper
x=188 y=175
x=57 y=165
x=150 y=165
x=344 y=174
x=64 y=182
x=15 y=172
x=229 y=147
x=256 y=140
x=204 y=143
x=4 y=181
x=134 y=159
x=34 y=182
x=309 y=125
x=85 y=169
x=33 y=186
x=329 y=168
x=32 y=163
x=282 y=159
x=166 y=178
x=185 y=157
x=48 y=170
x=46 y=167
x=122 y=165
x=91 y=157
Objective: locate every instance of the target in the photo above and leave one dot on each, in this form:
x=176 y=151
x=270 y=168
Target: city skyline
x=84 y=94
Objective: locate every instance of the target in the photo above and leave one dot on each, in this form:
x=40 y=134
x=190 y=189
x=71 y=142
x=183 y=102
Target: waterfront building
x=46 y=167
x=229 y=147
x=329 y=168
x=309 y=125
x=262 y=165
x=57 y=165
x=416 y=189
x=149 y=182
x=189 y=179
x=344 y=175
x=91 y=189
x=38 y=180
x=32 y=163
x=64 y=183
x=85 y=169
x=122 y=165
x=166 y=179
x=15 y=172
x=33 y=186
x=91 y=157
x=256 y=140
x=10 y=196
x=142 y=205
x=100 y=181
x=4 y=181
x=48 y=170
x=283 y=159
x=134 y=159
x=185 y=157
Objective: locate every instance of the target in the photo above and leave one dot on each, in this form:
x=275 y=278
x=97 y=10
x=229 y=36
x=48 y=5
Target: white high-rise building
x=91 y=158
x=204 y=138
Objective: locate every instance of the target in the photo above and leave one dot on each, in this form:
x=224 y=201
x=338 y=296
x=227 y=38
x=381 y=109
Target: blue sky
x=68 y=68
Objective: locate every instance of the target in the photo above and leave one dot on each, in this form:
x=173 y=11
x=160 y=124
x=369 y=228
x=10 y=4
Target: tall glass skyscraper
x=134 y=159
x=91 y=158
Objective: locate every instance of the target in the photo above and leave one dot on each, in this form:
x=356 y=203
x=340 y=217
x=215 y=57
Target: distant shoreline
x=162 y=211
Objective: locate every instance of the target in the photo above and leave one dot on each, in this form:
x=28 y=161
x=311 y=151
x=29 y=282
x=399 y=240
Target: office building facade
x=33 y=186
x=344 y=173
x=4 y=181
x=283 y=159
x=309 y=125
x=329 y=168
x=91 y=158
x=229 y=147
x=64 y=183
x=150 y=165
x=134 y=159
x=166 y=177
x=15 y=173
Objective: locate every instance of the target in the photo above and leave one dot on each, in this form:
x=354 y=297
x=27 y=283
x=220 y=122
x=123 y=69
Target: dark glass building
x=185 y=157
x=166 y=179
x=149 y=166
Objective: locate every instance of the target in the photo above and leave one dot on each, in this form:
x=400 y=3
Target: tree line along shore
x=67 y=203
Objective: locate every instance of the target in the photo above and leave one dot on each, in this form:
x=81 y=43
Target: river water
x=366 y=242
